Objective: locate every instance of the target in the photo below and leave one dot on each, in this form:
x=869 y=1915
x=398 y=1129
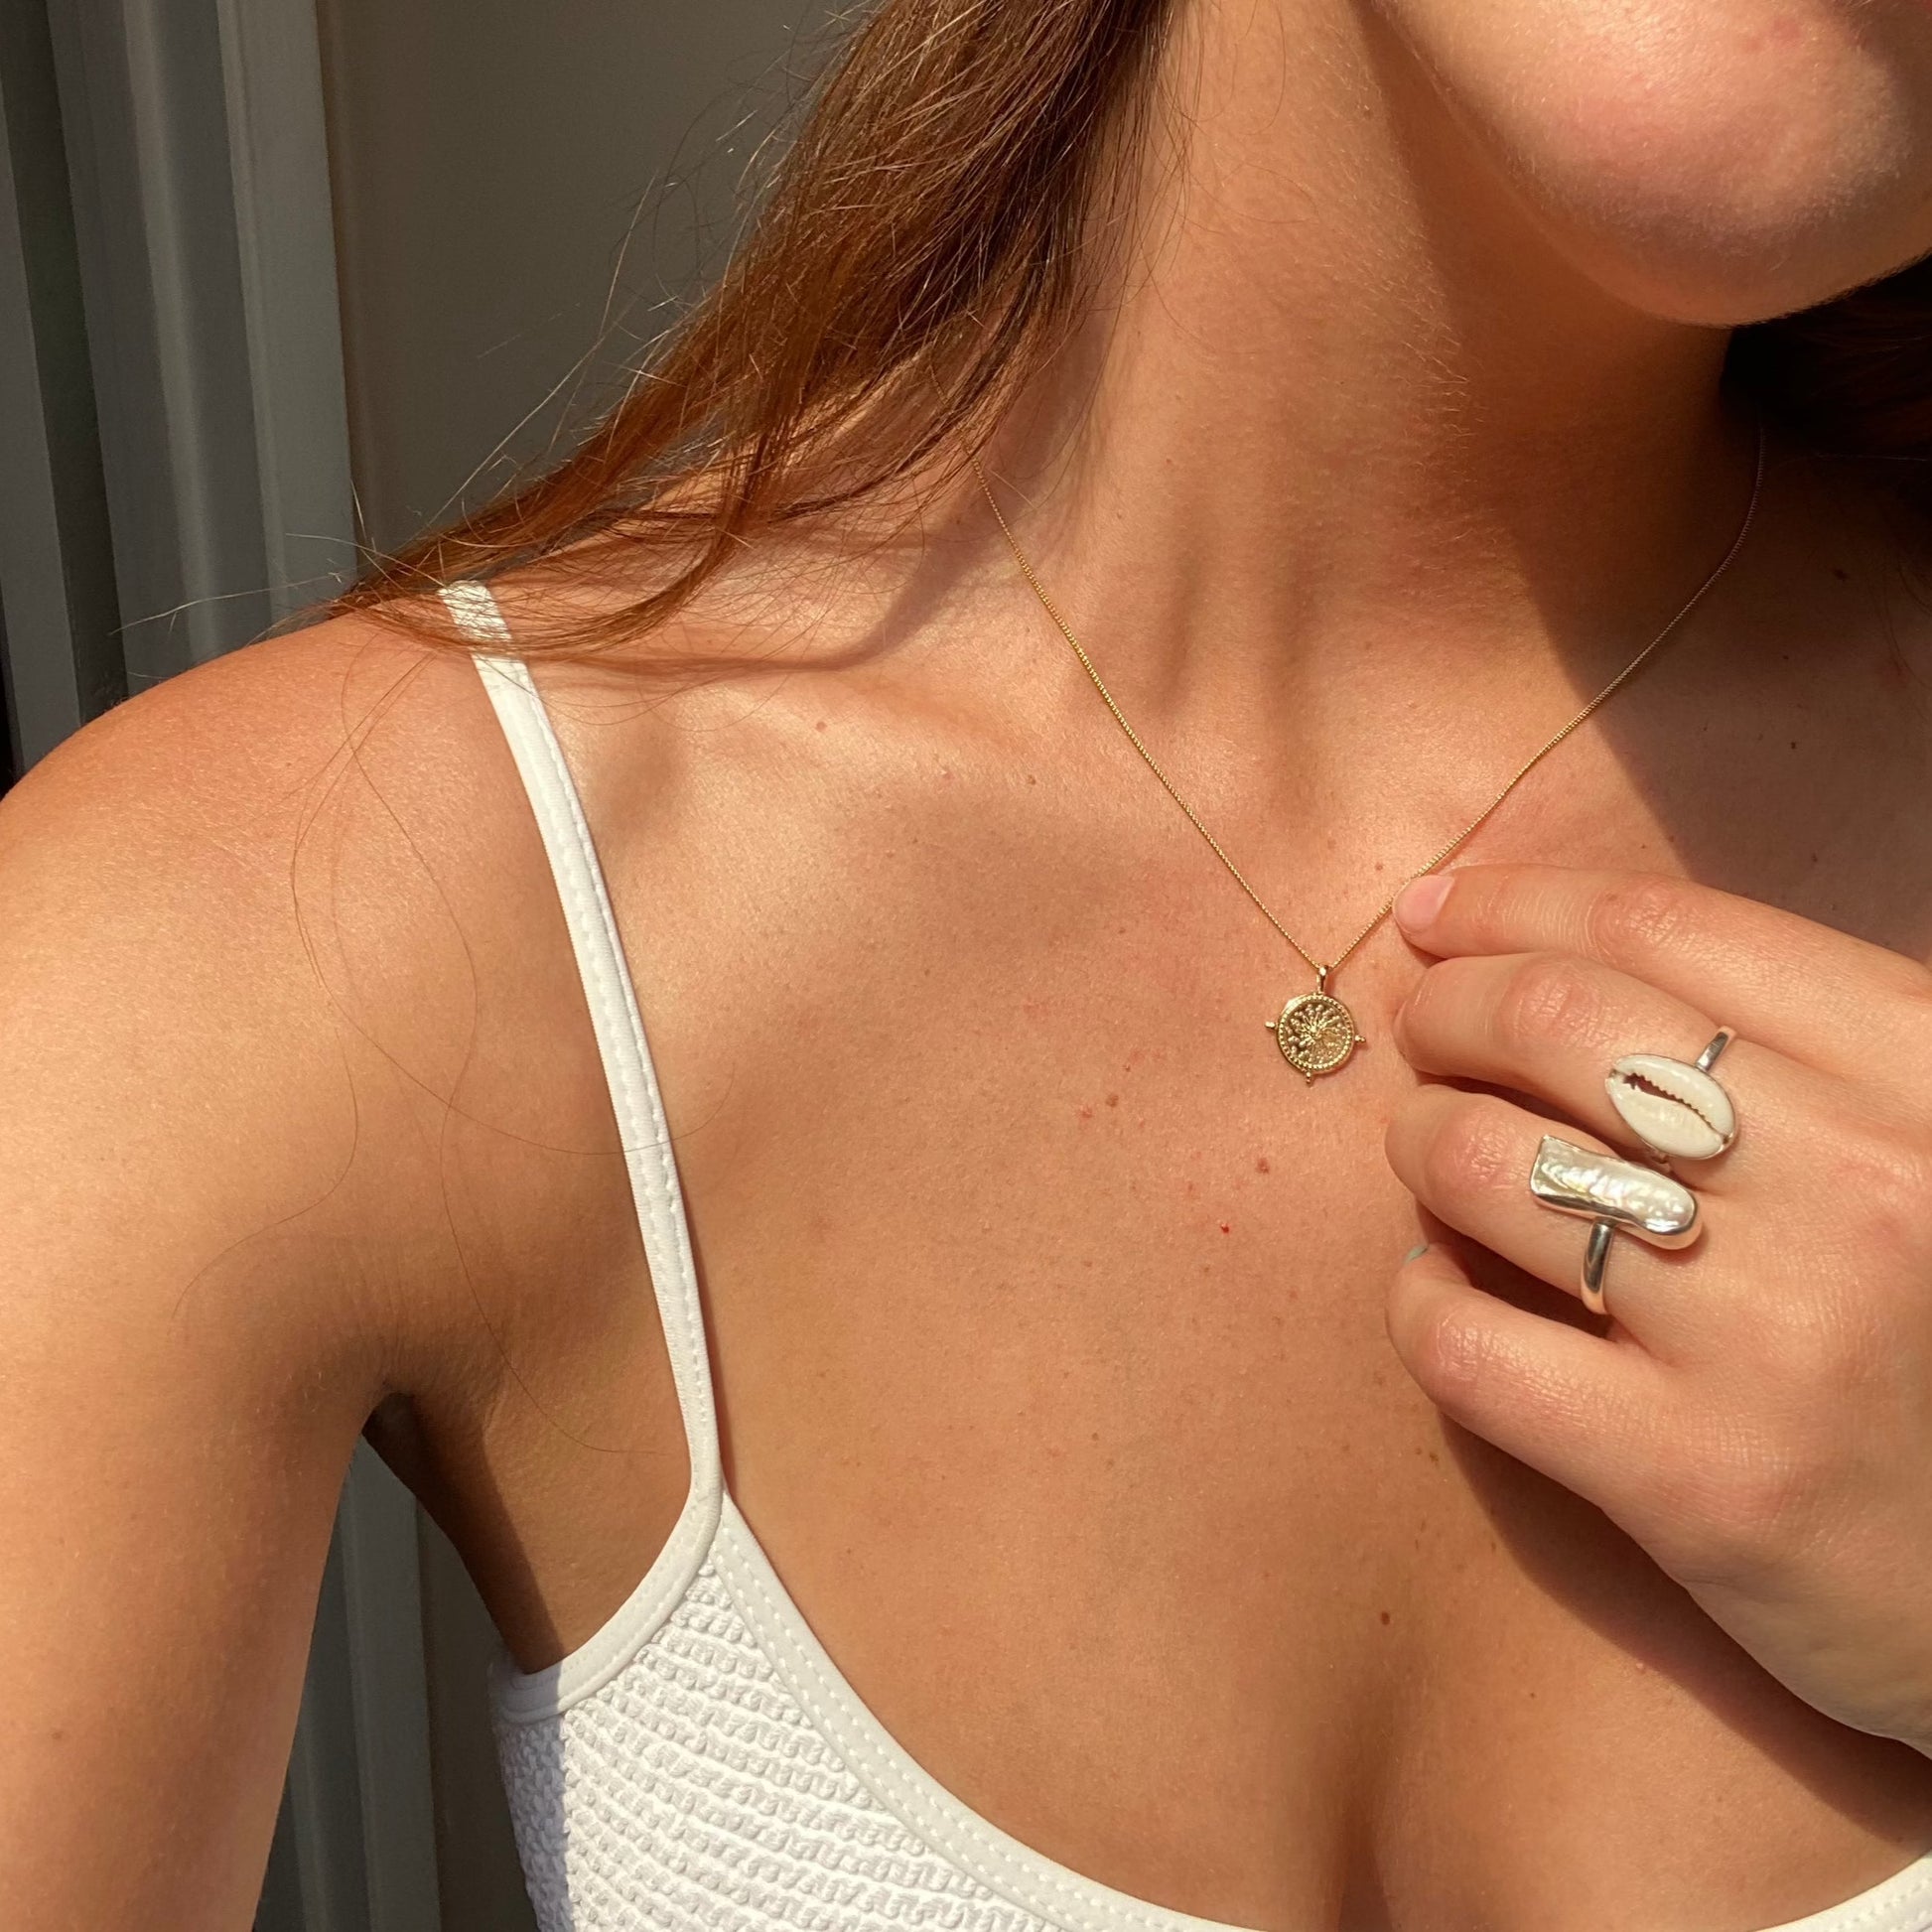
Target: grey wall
x=490 y=158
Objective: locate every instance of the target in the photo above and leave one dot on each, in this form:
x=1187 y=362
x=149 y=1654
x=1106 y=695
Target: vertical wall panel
x=146 y=123
x=278 y=148
x=60 y=644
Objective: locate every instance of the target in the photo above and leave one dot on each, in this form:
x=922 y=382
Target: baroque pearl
x=1579 y=1180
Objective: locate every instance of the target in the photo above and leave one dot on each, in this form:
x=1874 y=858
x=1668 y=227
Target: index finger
x=1818 y=995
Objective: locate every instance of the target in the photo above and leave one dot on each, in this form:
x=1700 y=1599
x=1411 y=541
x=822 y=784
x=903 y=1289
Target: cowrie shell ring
x=1675 y=1108
x=1679 y=1113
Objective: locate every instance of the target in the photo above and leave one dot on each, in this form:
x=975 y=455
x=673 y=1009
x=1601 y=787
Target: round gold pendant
x=1316 y=1034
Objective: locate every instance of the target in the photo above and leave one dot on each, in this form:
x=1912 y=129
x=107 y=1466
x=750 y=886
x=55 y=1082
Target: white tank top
x=700 y=1761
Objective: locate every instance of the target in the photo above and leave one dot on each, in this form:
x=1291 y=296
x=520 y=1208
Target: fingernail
x=1416 y=1253
x=1420 y=900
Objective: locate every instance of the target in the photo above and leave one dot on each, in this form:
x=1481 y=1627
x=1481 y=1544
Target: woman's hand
x=1759 y=1414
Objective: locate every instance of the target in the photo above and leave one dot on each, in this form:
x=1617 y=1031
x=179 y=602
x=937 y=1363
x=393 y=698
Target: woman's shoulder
x=235 y=1020
x=256 y=924
x=220 y=835
x=222 y=763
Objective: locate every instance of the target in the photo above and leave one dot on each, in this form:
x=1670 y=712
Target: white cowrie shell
x=1672 y=1108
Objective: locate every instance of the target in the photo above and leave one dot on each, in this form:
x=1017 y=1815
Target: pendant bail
x=1321 y=978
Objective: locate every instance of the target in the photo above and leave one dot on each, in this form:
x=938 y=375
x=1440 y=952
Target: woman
x=1098 y=1523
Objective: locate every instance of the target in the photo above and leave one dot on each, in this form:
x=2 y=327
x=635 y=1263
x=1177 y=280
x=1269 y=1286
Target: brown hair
x=921 y=244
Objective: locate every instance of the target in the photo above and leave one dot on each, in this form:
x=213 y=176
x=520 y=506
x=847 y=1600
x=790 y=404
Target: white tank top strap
x=609 y=991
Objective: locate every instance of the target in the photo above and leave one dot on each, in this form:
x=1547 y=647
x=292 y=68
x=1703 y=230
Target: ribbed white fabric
x=701 y=1762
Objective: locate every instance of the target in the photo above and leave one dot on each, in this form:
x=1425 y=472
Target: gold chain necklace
x=1315 y=1032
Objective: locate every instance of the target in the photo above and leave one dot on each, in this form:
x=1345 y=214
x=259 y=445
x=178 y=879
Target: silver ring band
x=1594 y=1258
x=1705 y=1060
x=1611 y=1193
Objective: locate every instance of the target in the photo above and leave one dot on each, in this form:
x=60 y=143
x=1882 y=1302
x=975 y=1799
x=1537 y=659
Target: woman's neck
x=1348 y=403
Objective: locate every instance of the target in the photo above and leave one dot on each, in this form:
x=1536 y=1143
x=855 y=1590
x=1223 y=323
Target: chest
x=1045 y=1309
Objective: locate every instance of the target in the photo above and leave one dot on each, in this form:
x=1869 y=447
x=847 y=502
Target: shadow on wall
x=506 y=188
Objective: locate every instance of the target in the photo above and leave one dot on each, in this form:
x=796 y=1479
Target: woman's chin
x=1713 y=275
x=1707 y=161
x=1716 y=227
